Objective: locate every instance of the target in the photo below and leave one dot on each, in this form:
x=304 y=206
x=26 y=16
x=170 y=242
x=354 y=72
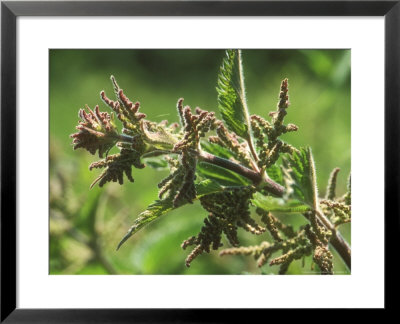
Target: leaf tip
x=124 y=239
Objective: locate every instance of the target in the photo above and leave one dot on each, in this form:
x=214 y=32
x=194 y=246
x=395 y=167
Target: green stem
x=246 y=109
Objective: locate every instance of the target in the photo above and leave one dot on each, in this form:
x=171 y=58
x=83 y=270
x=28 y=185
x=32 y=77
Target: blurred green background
x=86 y=225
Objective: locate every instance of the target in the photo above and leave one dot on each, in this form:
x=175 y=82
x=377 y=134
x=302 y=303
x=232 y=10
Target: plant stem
x=342 y=247
x=246 y=109
x=256 y=177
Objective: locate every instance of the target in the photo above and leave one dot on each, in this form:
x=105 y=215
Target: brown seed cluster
x=230 y=141
x=321 y=256
x=227 y=212
x=127 y=111
x=180 y=183
x=96 y=131
x=115 y=167
x=269 y=152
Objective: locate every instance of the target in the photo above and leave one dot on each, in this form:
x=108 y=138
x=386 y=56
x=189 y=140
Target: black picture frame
x=11 y=10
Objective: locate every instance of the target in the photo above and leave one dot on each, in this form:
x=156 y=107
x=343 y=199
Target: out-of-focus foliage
x=86 y=225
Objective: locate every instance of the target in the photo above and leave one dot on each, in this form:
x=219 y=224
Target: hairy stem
x=342 y=247
x=244 y=101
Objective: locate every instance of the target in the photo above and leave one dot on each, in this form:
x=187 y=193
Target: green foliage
x=217 y=150
x=280 y=205
x=231 y=94
x=157 y=163
x=300 y=177
x=275 y=173
x=221 y=175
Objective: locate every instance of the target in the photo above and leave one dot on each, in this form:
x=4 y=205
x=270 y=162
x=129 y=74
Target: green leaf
x=300 y=177
x=221 y=175
x=275 y=173
x=157 y=163
x=207 y=187
x=217 y=150
x=272 y=204
x=161 y=207
x=231 y=94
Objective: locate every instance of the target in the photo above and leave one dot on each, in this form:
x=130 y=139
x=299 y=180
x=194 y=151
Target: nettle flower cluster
x=230 y=165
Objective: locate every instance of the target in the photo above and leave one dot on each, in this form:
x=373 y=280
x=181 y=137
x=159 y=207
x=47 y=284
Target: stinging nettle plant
x=230 y=166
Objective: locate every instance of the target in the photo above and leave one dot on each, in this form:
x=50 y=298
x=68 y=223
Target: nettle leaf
x=217 y=150
x=275 y=173
x=157 y=163
x=300 y=177
x=231 y=94
x=222 y=176
x=161 y=207
x=272 y=204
